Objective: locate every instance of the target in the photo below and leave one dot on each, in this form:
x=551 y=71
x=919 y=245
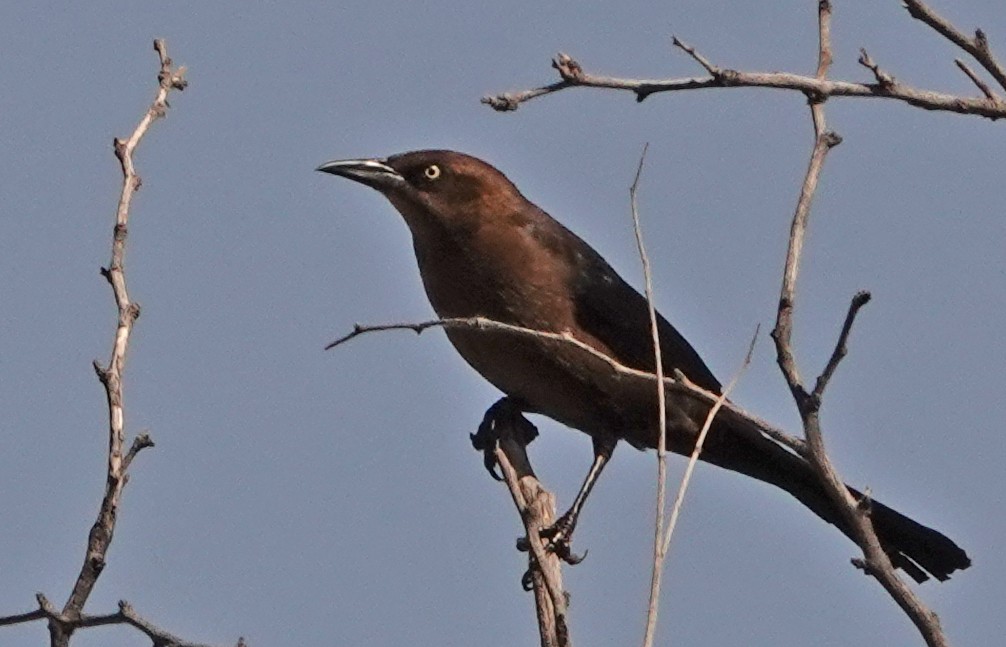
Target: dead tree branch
x=664 y=534
x=510 y=434
x=857 y=516
x=977 y=46
x=657 y=568
x=989 y=105
x=111 y=376
x=64 y=622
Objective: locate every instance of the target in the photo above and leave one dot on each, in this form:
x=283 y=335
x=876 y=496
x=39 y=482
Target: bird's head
x=432 y=187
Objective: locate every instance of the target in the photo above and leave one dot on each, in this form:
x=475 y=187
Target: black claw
x=490 y=462
x=504 y=411
x=484 y=440
x=570 y=557
x=559 y=544
x=527 y=580
x=559 y=535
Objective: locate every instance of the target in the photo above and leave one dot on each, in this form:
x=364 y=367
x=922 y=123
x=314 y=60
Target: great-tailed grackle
x=485 y=250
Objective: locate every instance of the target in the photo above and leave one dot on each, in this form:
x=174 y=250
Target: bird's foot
x=503 y=412
x=558 y=537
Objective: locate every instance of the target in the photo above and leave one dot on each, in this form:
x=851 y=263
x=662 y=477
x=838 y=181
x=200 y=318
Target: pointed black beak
x=374 y=173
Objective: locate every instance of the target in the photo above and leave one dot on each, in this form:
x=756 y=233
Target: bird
x=485 y=250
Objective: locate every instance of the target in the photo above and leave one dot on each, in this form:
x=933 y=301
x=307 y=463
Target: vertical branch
x=657 y=570
x=111 y=376
x=662 y=536
x=856 y=516
x=536 y=506
x=824 y=141
x=679 y=498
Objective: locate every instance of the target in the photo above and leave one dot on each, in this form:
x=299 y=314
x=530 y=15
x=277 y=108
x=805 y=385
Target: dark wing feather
x=615 y=313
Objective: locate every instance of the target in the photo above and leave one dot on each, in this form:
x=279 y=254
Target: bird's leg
x=560 y=533
x=504 y=411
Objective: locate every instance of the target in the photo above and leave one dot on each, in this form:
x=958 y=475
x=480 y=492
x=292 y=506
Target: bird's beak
x=374 y=173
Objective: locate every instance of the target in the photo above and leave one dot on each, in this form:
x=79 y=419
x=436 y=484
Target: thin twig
x=19 y=618
x=664 y=535
x=713 y=70
x=841 y=346
x=656 y=570
x=884 y=80
x=679 y=382
x=694 y=458
x=977 y=80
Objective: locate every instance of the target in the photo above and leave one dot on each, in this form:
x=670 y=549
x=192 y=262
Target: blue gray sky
x=302 y=497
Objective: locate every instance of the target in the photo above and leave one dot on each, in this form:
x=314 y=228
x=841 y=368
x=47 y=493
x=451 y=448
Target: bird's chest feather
x=500 y=272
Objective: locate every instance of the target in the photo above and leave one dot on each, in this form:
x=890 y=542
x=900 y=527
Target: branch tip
x=569 y=69
x=977 y=80
x=501 y=102
x=885 y=80
x=713 y=71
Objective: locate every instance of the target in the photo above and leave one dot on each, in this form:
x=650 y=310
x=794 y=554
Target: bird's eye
x=432 y=172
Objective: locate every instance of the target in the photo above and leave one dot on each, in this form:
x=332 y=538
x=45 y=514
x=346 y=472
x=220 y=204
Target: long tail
x=914 y=548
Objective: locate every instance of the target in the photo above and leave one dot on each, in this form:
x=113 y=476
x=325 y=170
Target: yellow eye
x=432 y=172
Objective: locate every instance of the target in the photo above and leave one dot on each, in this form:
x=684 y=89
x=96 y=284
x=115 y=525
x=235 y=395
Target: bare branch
x=876 y=561
x=20 y=618
x=140 y=442
x=62 y=623
x=728 y=78
x=126 y=615
x=664 y=542
x=986 y=90
x=841 y=348
x=977 y=47
x=819 y=87
x=714 y=71
x=823 y=142
x=360 y=329
x=885 y=80
x=536 y=506
x=111 y=377
x=658 y=555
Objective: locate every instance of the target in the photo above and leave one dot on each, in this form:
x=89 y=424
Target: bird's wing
x=615 y=313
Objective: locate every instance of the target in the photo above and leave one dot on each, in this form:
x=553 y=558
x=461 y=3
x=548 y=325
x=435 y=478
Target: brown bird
x=486 y=250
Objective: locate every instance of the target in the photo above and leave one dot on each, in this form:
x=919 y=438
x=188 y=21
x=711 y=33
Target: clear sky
x=302 y=497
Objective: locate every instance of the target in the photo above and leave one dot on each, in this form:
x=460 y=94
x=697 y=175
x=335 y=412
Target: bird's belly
x=539 y=376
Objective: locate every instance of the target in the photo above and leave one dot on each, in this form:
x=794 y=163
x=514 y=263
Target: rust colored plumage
x=485 y=250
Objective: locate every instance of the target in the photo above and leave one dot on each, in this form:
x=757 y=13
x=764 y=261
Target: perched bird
x=486 y=250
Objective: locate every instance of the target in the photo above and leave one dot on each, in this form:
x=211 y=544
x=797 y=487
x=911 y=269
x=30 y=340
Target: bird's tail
x=918 y=550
